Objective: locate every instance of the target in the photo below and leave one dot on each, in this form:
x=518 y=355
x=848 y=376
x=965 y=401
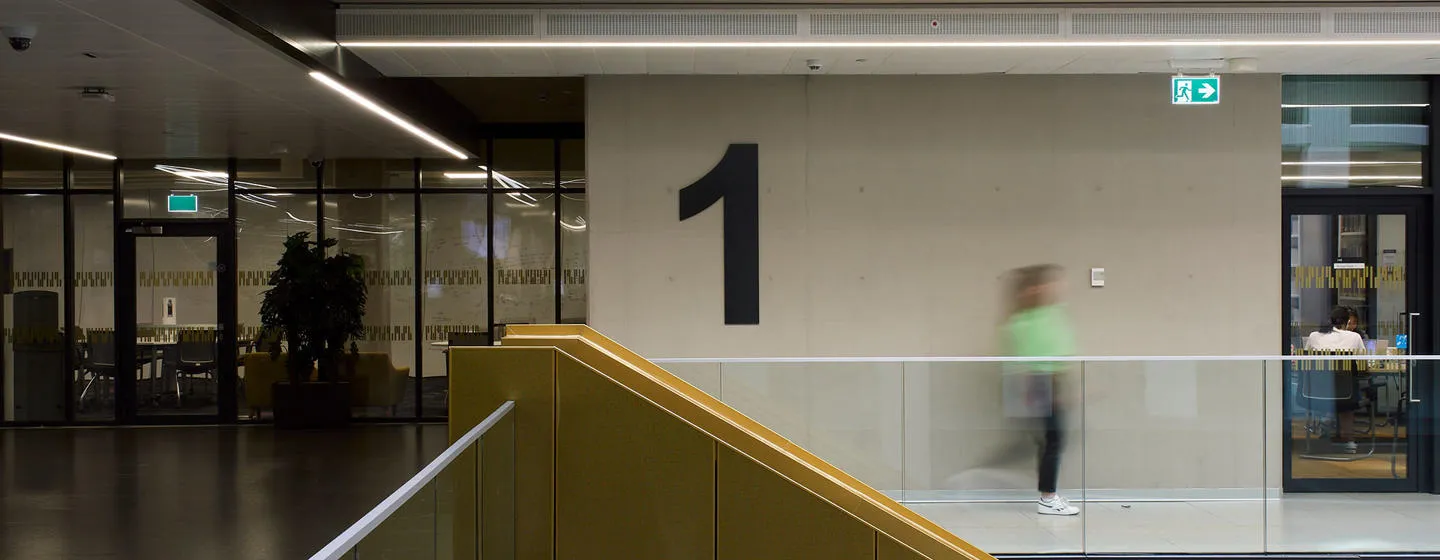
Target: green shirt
x=1040 y=332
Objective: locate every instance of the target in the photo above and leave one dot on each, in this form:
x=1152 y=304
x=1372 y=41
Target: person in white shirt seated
x=1340 y=337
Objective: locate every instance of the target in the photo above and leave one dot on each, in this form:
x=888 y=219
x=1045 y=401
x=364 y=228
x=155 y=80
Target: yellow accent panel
x=761 y=515
x=631 y=481
x=887 y=549
x=479 y=383
x=748 y=437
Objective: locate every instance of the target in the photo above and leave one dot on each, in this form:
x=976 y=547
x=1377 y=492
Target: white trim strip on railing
x=343 y=544
x=1071 y=359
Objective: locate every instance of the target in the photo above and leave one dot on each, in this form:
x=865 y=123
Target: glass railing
x=1160 y=454
x=421 y=520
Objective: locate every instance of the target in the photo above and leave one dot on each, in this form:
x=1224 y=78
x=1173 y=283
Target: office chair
x=195 y=357
x=97 y=361
x=1327 y=383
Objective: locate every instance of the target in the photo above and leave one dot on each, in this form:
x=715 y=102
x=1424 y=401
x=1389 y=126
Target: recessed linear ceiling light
x=53 y=146
x=1351 y=178
x=466 y=175
x=1353 y=105
x=1349 y=163
x=387 y=115
x=880 y=44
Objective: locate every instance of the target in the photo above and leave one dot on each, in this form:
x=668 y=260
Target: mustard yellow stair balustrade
x=616 y=458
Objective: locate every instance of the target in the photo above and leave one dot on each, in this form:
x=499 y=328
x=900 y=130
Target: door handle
x=1412 y=369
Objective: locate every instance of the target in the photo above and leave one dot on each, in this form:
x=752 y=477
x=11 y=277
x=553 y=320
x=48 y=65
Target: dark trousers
x=1049 y=475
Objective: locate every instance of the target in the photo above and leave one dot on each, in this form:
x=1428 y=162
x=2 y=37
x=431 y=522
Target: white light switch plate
x=1097 y=278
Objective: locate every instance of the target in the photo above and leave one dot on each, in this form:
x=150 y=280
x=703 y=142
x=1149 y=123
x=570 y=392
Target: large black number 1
x=735 y=180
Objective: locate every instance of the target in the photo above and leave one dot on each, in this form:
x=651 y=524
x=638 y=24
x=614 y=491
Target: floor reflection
x=196 y=492
x=1302 y=523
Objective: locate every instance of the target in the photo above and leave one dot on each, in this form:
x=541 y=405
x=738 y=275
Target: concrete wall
x=890 y=207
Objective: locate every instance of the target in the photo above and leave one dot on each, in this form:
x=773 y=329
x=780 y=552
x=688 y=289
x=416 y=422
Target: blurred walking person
x=1039 y=327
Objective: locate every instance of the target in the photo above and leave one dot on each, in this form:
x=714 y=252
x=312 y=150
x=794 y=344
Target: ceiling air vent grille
x=1387 y=23
x=1030 y=24
x=441 y=23
x=672 y=24
x=1195 y=23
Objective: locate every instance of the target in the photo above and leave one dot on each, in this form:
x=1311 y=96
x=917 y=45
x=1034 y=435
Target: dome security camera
x=20 y=36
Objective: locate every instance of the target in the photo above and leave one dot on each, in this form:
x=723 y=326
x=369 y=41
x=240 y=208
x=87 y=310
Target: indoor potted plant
x=315 y=304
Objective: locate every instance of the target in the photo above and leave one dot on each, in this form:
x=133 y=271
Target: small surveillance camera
x=20 y=36
x=814 y=65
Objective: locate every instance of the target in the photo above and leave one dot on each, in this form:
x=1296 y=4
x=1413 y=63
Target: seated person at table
x=1340 y=337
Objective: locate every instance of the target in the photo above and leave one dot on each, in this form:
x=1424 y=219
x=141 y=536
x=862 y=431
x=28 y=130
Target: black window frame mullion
x=126 y=394
x=419 y=247
x=67 y=267
x=320 y=201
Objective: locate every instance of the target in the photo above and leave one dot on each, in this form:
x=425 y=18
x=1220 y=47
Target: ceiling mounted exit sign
x=1187 y=90
x=183 y=203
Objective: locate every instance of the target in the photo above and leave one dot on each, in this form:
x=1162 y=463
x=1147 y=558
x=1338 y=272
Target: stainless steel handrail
x=348 y=540
x=1071 y=359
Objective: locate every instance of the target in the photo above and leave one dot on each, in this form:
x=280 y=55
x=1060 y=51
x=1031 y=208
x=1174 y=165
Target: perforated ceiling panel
x=1132 y=23
x=1388 y=23
x=672 y=24
x=868 y=24
x=433 y=23
x=951 y=24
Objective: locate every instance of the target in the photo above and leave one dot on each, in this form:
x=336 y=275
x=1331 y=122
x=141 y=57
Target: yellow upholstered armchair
x=261 y=373
x=377 y=382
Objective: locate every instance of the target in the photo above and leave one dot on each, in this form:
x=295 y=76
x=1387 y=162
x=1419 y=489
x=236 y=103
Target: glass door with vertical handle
x=1351 y=290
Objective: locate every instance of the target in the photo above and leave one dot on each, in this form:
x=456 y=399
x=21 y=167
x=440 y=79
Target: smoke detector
x=97 y=94
x=1244 y=65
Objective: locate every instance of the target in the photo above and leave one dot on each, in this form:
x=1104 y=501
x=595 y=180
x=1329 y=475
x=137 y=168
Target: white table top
x=445 y=344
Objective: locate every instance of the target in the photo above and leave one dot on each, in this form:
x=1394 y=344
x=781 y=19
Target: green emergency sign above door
x=1185 y=90
x=183 y=203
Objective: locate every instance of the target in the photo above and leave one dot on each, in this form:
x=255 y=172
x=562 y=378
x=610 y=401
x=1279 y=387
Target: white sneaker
x=1057 y=506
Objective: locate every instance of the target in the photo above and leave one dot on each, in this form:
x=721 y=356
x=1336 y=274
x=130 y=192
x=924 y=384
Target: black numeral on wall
x=736 y=181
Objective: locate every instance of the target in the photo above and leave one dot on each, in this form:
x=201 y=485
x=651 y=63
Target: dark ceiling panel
x=305 y=30
x=518 y=100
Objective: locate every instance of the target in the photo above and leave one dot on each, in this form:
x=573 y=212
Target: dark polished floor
x=196 y=492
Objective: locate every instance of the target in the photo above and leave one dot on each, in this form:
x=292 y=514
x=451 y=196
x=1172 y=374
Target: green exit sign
x=1195 y=91
x=183 y=203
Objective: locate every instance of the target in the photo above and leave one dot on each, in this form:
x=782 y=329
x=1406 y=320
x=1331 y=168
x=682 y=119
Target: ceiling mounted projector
x=97 y=94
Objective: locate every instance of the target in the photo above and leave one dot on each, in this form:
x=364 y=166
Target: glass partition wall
x=1357 y=222
x=427 y=230
x=1162 y=455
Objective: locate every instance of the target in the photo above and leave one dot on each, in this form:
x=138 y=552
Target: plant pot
x=313 y=405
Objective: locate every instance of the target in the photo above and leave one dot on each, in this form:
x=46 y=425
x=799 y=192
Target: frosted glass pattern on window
x=94 y=303
x=380 y=228
x=34 y=374
x=524 y=231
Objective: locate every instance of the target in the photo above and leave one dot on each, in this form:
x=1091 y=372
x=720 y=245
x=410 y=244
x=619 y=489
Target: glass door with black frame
x=183 y=366
x=1352 y=307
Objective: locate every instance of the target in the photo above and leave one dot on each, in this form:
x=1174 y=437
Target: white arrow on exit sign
x=1207 y=91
